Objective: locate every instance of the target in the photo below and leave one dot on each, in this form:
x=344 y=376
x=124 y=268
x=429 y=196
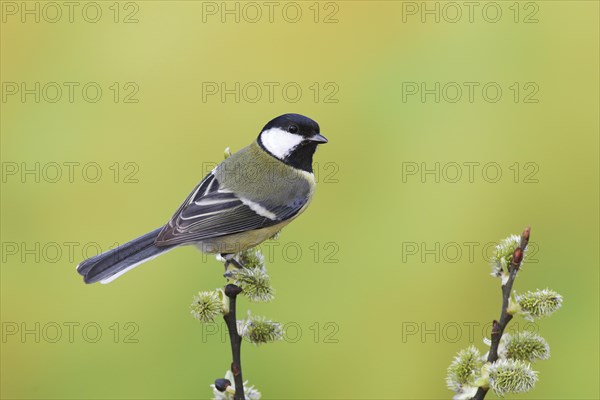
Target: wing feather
x=211 y=211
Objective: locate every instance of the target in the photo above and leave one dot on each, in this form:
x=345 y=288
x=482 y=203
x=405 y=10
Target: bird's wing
x=211 y=211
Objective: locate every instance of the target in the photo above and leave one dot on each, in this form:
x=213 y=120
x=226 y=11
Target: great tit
x=244 y=201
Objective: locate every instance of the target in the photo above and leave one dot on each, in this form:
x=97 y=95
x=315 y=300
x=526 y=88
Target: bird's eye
x=293 y=129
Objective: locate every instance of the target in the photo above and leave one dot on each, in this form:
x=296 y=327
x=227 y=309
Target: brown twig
x=499 y=326
x=235 y=339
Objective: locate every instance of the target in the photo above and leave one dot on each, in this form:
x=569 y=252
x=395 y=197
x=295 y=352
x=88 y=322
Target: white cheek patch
x=279 y=142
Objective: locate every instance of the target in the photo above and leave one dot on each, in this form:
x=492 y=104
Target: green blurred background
x=375 y=283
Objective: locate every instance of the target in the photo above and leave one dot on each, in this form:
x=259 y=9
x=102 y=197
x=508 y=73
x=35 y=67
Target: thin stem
x=499 y=326
x=236 y=341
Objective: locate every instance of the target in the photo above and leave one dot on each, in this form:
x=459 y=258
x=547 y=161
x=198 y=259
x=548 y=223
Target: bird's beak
x=318 y=138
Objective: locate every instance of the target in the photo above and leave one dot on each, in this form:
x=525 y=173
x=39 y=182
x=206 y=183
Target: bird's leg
x=230 y=260
x=236 y=263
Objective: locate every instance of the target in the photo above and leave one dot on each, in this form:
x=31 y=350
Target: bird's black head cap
x=293 y=139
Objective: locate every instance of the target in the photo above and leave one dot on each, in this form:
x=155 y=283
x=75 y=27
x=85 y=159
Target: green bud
x=252 y=259
x=464 y=370
x=503 y=254
x=524 y=346
x=255 y=283
x=511 y=376
x=540 y=303
x=259 y=330
x=208 y=305
x=513 y=307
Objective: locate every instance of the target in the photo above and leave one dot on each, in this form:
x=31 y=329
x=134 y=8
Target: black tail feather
x=110 y=264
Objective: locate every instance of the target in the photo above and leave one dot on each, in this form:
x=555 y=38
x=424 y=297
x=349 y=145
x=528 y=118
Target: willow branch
x=235 y=339
x=498 y=326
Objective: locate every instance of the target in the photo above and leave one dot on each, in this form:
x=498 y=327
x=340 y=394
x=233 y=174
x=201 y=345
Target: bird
x=243 y=201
